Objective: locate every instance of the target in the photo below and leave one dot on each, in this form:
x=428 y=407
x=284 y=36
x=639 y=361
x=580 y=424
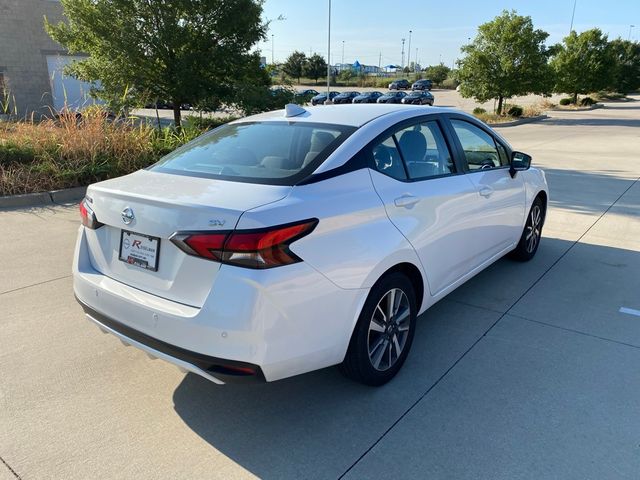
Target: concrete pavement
x=527 y=371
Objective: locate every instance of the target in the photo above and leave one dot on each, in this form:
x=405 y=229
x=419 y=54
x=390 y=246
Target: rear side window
x=425 y=151
x=419 y=151
x=387 y=159
x=279 y=153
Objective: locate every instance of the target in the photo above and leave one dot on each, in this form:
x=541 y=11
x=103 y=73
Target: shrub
x=587 y=102
x=532 y=111
x=450 y=84
x=604 y=95
x=566 y=101
x=71 y=151
x=479 y=110
x=515 y=111
x=545 y=104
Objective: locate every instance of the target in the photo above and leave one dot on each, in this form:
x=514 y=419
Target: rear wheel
x=530 y=239
x=383 y=335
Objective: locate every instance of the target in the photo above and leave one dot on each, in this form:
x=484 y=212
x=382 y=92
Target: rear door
x=427 y=197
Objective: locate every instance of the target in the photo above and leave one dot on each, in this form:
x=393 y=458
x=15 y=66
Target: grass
x=70 y=152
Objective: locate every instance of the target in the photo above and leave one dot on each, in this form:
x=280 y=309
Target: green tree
x=583 y=63
x=294 y=65
x=507 y=58
x=626 y=71
x=185 y=51
x=315 y=67
x=437 y=73
x=346 y=75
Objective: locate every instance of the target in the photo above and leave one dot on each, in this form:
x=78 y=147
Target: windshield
x=277 y=153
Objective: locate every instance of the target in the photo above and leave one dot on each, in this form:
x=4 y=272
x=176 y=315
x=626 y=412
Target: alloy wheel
x=532 y=236
x=389 y=329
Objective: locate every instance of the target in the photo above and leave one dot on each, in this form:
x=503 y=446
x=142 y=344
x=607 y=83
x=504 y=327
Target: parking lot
x=527 y=371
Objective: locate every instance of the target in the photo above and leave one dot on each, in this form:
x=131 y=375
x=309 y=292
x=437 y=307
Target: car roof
x=354 y=115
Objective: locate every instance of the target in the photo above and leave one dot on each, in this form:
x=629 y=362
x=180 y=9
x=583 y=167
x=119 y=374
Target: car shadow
x=319 y=424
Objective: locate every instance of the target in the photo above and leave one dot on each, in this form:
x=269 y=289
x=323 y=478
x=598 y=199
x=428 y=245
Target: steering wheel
x=486 y=164
x=382 y=156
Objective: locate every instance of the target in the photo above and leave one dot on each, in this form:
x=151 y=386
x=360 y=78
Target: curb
x=518 y=122
x=54 y=197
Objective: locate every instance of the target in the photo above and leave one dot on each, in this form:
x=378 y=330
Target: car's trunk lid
x=163 y=204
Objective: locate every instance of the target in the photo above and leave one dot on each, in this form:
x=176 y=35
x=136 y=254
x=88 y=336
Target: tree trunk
x=500 y=99
x=575 y=98
x=177 y=119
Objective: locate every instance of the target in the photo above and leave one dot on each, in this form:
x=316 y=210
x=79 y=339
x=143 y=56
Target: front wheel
x=383 y=335
x=530 y=239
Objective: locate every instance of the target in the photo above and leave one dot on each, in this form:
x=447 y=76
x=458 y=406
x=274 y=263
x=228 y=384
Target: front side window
x=279 y=153
x=479 y=147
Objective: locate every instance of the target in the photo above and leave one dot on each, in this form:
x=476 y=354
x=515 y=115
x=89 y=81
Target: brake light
x=262 y=248
x=88 y=216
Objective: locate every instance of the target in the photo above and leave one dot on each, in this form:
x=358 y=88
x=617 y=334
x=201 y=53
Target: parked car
x=307 y=95
x=422 y=85
x=367 y=97
x=391 y=97
x=285 y=242
x=322 y=97
x=345 y=97
x=419 y=97
x=400 y=85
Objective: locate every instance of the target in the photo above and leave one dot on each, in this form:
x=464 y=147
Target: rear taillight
x=88 y=216
x=263 y=248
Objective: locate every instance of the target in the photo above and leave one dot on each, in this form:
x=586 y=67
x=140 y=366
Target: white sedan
x=303 y=238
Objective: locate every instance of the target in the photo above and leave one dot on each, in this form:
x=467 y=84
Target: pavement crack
x=579 y=332
x=15 y=474
x=468 y=304
x=34 y=284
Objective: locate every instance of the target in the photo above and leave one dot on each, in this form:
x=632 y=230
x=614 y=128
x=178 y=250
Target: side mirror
x=519 y=162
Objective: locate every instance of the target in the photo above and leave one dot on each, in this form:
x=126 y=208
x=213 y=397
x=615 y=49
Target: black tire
x=532 y=233
x=358 y=363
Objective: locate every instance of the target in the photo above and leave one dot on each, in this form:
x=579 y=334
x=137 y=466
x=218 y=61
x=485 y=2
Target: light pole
x=342 y=52
x=630 y=27
x=409 y=50
x=572 y=15
x=328 y=100
x=416 y=64
x=402 y=63
x=272 y=49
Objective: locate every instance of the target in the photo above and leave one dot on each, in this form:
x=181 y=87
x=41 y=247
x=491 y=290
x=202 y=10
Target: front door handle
x=406 y=201
x=486 y=191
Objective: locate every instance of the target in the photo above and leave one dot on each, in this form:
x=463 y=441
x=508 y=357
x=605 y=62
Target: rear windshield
x=278 y=153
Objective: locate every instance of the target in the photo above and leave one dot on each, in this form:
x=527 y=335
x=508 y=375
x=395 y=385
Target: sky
x=372 y=30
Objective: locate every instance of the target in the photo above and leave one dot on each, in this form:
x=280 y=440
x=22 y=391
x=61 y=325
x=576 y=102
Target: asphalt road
x=527 y=371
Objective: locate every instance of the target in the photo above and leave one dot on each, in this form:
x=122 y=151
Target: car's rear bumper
x=278 y=322
x=217 y=370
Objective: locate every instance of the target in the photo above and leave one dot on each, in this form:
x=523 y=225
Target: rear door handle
x=406 y=201
x=486 y=191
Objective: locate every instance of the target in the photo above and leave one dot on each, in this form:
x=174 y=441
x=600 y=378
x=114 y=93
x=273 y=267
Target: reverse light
x=260 y=248
x=88 y=216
